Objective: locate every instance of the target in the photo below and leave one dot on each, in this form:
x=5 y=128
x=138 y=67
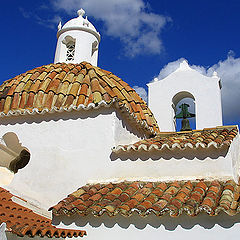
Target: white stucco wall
x=67 y=150
x=137 y=228
x=205 y=90
x=234 y=151
x=6 y=176
x=123 y=132
x=189 y=164
x=11 y=236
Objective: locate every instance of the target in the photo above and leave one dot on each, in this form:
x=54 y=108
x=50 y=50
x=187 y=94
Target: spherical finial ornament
x=81 y=12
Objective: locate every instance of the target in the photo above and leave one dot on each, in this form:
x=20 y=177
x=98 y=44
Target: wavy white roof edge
x=157 y=179
x=90 y=106
x=165 y=145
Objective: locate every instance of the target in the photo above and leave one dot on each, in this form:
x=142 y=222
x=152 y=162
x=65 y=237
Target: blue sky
x=138 y=39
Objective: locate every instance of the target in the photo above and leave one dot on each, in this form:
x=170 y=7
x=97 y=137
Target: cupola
x=78 y=41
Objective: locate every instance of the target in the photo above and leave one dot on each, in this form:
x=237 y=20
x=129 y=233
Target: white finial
x=81 y=12
x=215 y=75
x=59 y=26
x=76 y=41
x=155 y=79
x=184 y=66
x=86 y=22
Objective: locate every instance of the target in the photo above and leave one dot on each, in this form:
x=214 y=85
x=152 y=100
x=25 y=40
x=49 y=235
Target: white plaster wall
x=234 y=152
x=123 y=132
x=205 y=90
x=69 y=150
x=190 y=164
x=65 y=153
x=83 y=47
x=136 y=228
x=6 y=176
x=11 y=236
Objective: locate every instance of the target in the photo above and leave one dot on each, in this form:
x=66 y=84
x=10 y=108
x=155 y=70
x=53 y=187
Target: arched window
x=94 y=47
x=70 y=44
x=177 y=101
x=70 y=51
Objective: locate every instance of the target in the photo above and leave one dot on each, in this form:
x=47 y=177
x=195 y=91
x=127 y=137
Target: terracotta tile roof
x=23 y=221
x=159 y=198
x=65 y=87
x=205 y=138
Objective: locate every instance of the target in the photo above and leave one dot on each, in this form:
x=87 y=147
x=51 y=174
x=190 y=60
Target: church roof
x=66 y=87
x=174 y=198
x=216 y=137
x=23 y=221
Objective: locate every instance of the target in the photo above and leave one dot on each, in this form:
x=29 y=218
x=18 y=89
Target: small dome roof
x=79 y=21
x=65 y=87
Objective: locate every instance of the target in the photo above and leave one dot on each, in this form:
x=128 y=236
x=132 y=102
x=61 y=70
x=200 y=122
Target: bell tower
x=185 y=82
x=78 y=41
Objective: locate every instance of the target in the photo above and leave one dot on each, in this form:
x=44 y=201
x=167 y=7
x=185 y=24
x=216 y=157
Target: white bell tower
x=78 y=41
x=185 y=82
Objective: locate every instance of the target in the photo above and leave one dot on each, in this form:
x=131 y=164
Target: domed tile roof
x=65 y=87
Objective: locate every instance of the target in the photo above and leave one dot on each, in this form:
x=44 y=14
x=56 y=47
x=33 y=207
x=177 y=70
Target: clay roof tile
x=183 y=140
x=175 y=198
x=24 y=222
x=73 y=85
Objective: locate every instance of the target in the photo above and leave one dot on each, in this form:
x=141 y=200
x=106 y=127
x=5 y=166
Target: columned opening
x=70 y=48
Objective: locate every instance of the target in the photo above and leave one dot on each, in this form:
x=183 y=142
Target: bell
x=185 y=114
x=185 y=125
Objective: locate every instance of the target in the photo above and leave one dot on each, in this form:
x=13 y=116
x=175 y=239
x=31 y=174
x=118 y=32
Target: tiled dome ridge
x=65 y=87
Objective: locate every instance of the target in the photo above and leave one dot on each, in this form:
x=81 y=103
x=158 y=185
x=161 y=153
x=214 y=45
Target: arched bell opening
x=183 y=104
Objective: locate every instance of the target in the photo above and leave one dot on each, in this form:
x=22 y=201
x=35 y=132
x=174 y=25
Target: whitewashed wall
x=205 y=90
x=189 y=164
x=69 y=150
x=152 y=227
x=11 y=236
x=66 y=150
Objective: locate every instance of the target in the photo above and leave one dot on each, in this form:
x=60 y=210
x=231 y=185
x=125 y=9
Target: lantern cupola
x=78 y=41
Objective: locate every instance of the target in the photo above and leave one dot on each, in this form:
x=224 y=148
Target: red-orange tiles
x=175 y=198
x=206 y=137
x=83 y=83
x=23 y=221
